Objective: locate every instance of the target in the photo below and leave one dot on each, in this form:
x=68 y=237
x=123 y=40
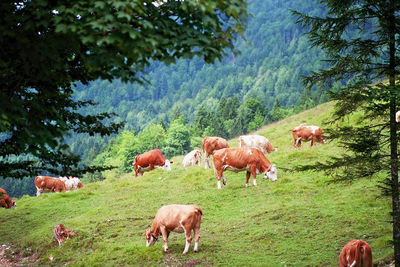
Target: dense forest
x=182 y=102
x=274 y=54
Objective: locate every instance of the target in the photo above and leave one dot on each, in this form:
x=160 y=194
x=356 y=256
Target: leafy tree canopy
x=48 y=46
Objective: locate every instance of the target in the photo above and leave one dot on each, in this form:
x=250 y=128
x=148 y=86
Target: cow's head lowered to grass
x=272 y=173
x=249 y=159
x=167 y=165
x=151 y=239
x=150 y=160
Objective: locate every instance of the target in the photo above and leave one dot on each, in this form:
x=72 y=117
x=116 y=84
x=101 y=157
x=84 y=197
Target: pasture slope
x=300 y=220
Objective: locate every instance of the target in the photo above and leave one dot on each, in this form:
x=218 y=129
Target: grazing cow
x=61 y=233
x=307 y=133
x=175 y=218
x=49 y=184
x=398 y=116
x=192 y=158
x=257 y=141
x=149 y=160
x=211 y=144
x=238 y=159
x=71 y=183
x=356 y=253
x=5 y=200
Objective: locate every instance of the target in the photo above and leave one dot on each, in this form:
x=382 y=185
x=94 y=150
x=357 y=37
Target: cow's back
x=48 y=183
x=154 y=157
x=239 y=157
x=356 y=253
x=171 y=215
x=213 y=143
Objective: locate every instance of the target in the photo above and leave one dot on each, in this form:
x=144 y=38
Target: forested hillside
x=272 y=59
x=260 y=84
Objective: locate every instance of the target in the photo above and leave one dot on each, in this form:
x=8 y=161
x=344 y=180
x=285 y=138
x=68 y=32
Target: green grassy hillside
x=300 y=220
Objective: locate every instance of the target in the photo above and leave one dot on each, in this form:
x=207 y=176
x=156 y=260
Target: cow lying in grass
x=356 y=253
x=175 y=218
x=248 y=159
x=6 y=201
x=61 y=233
x=192 y=158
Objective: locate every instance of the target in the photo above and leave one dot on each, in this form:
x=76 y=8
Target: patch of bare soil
x=13 y=257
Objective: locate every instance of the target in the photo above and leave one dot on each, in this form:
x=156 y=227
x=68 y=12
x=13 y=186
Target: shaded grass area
x=300 y=220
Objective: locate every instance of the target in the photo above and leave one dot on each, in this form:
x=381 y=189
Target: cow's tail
x=202 y=145
x=215 y=171
x=198 y=210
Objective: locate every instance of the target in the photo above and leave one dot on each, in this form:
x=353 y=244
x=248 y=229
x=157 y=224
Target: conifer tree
x=361 y=42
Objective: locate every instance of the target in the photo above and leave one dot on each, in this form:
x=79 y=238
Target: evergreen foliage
x=367 y=63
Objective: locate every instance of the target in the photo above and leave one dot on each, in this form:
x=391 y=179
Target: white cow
x=192 y=158
x=256 y=141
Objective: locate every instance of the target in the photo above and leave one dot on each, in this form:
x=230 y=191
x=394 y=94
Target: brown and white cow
x=192 y=158
x=150 y=160
x=258 y=141
x=238 y=159
x=398 y=116
x=49 y=184
x=356 y=253
x=211 y=144
x=71 y=183
x=307 y=133
x=175 y=218
x=6 y=201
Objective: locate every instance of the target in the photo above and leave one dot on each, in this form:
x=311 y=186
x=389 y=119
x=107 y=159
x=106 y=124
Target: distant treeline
x=189 y=99
x=267 y=72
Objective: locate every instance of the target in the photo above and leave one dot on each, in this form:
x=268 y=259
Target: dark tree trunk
x=393 y=135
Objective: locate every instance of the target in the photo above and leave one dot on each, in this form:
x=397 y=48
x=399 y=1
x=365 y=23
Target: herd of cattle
x=249 y=157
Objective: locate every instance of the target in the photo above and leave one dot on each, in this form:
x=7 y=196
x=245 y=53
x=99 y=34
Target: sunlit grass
x=299 y=220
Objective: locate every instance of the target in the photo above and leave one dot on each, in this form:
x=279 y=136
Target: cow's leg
x=253 y=170
x=38 y=191
x=151 y=167
x=313 y=139
x=188 y=234
x=298 y=143
x=247 y=178
x=219 y=175
x=196 y=231
x=3 y=203
x=206 y=163
x=165 y=234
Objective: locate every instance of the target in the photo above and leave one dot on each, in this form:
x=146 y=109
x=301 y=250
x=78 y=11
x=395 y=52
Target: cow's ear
x=171 y=161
